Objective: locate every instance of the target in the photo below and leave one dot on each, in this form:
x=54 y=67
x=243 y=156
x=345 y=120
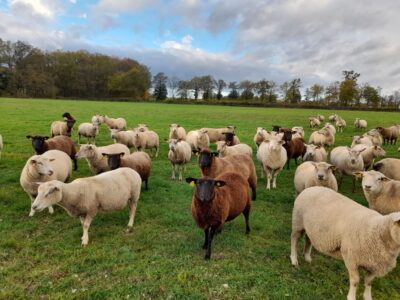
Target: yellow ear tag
x=192 y=183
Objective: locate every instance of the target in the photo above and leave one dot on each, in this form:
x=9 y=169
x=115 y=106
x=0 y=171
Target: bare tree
x=173 y=84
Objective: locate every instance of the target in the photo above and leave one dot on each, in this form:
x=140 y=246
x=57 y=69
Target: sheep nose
x=34 y=207
x=367 y=187
x=51 y=172
x=353 y=161
x=320 y=177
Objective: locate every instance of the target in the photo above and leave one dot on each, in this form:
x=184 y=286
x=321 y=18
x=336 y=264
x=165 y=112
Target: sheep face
x=205 y=187
x=221 y=146
x=113 y=160
x=86 y=151
x=173 y=143
x=206 y=158
x=323 y=171
x=42 y=165
x=142 y=127
x=276 y=128
x=274 y=144
x=372 y=181
x=354 y=156
x=310 y=152
x=37 y=142
x=113 y=132
x=70 y=123
x=378 y=151
x=228 y=136
x=49 y=193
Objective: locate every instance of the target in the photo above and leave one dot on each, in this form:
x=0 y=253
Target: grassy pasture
x=161 y=257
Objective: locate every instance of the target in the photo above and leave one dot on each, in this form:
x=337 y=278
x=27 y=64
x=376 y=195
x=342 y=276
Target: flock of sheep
x=335 y=225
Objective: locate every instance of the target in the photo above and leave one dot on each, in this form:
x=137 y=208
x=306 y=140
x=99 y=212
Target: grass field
x=161 y=258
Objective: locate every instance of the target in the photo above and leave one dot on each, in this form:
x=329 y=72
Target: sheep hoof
x=294 y=261
x=308 y=258
x=31 y=214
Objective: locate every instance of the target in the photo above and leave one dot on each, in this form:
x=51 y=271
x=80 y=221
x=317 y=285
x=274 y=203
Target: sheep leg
x=288 y=163
x=206 y=233
x=132 y=205
x=276 y=172
x=246 y=214
x=354 y=280
x=262 y=172
x=86 y=224
x=180 y=168
x=368 y=281
x=75 y=163
x=173 y=172
x=51 y=210
x=156 y=151
x=269 y=177
x=145 y=184
x=307 y=249
x=210 y=238
x=294 y=238
x=354 y=184
x=32 y=212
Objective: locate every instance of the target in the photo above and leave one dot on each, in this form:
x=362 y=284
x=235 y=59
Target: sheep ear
x=332 y=167
x=45 y=137
x=194 y=151
x=376 y=147
x=121 y=154
x=383 y=178
x=314 y=164
x=192 y=181
x=177 y=125
x=28 y=136
x=282 y=142
x=358 y=174
x=219 y=183
x=33 y=161
x=52 y=159
x=104 y=154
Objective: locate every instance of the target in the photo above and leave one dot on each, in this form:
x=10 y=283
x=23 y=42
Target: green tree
x=160 y=86
x=316 y=91
x=371 y=96
x=293 y=94
x=133 y=83
x=349 y=91
x=247 y=88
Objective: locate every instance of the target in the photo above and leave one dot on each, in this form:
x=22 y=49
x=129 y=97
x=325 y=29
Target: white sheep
x=141 y=127
x=198 y=139
x=176 y=131
x=53 y=164
x=125 y=137
x=347 y=161
x=332 y=118
x=1 y=145
x=389 y=166
x=85 y=197
x=362 y=140
x=298 y=132
x=322 y=137
x=340 y=124
x=375 y=137
x=88 y=130
x=62 y=127
x=112 y=123
x=97 y=119
x=217 y=134
x=361 y=124
x=225 y=150
x=260 y=136
x=330 y=127
x=314 y=174
x=369 y=153
x=147 y=140
x=315 y=153
x=341 y=228
x=314 y=122
x=94 y=155
x=321 y=118
x=272 y=157
x=179 y=155
x=382 y=193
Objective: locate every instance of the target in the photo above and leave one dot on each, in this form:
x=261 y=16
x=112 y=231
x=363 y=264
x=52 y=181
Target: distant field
x=41 y=257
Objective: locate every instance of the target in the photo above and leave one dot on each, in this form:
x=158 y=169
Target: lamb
x=88 y=130
x=110 y=191
x=225 y=150
x=127 y=138
x=260 y=136
x=314 y=122
x=322 y=137
x=147 y=140
x=347 y=161
x=314 y=174
x=51 y=165
x=369 y=153
x=294 y=148
x=382 y=193
x=94 y=155
x=212 y=166
x=41 y=144
x=298 y=131
x=340 y=124
x=339 y=227
x=176 y=131
x=62 y=128
x=389 y=166
x=179 y=155
x=112 y=123
x=361 y=140
x=315 y=153
x=138 y=161
x=387 y=135
x=1 y=145
x=217 y=134
x=360 y=123
x=218 y=200
x=272 y=157
x=198 y=139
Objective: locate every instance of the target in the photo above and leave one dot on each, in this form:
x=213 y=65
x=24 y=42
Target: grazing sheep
x=272 y=157
x=321 y=118
x=41 y=144
x=216 y=201
x=315 y=153
x=212 y=166
x=369 y=153
x=387 y=135
x=382 y=193
x=395 y=133
x=314 y=122
x=198 y=139
x=217 y=134
x=347 y=161
x=314 y=174
x=340 y=124
x=89 y=131
x=260 y=136
x=85 y=197
x=62 y=128
x=225 y=150
x=1 y=144
x=53 y=164
x=322 y=137
x=94 y=155
x=298 y=132
x=179 y=155
x=340 y=227
x=112 y=123
x=147 y=140
x=176 y=131
x=390 y=167
x=361 y=140
x=360 y=124
x=332 y=118
x=125 y=137
x=295 y=148
x=138 y=161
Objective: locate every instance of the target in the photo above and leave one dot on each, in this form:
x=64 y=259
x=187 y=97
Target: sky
x=234 y=40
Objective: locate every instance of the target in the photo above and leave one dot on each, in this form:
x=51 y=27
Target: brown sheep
x=295 y=148
x=218 y=200
x=212 y=166
x=387 y=135
x=41 y=144
x=231 y=138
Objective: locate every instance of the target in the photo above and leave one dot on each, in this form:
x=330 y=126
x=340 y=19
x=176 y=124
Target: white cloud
x=46 y=9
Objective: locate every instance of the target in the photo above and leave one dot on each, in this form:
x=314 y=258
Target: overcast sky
x=234 y=40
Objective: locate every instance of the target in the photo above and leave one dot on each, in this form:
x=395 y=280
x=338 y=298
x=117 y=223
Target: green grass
x=161 y=257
